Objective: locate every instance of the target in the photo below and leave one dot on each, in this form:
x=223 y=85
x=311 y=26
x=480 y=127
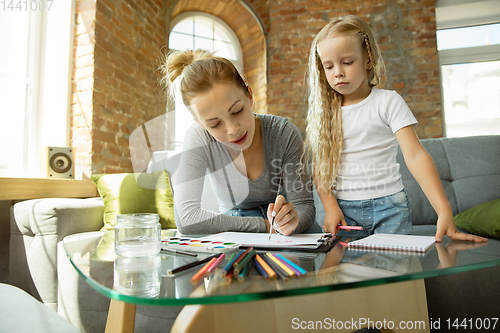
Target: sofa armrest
x=36 y=227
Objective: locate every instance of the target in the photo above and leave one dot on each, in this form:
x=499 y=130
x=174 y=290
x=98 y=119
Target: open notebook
x=394 y=242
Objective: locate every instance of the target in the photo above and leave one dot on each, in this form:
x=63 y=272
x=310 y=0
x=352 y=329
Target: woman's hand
x=333 y=217
x=286 y=218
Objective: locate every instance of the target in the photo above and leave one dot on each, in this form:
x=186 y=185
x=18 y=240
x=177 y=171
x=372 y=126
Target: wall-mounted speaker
x=57 y=162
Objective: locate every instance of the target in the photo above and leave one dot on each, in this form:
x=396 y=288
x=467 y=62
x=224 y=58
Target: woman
x=247 y=156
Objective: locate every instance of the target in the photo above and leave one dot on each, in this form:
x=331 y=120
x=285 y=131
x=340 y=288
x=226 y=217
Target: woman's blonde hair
x=197 y=71
x=324 y=115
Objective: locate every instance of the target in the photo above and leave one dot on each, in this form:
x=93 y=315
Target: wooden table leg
x=121 y=317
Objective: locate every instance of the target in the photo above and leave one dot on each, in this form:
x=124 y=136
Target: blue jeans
x=260 y=211
x=389 y=214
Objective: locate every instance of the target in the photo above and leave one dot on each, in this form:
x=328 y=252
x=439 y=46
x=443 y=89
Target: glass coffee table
x=385 y=288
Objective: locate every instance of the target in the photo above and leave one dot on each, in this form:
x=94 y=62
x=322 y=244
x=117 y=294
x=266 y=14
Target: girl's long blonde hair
x=191 y=72
x=324 y=115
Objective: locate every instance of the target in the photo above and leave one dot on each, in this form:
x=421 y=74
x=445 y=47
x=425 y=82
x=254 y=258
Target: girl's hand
x=333 y=257
x=333 y=218
x=448 y=255
x=446 y=226
x=287 y=217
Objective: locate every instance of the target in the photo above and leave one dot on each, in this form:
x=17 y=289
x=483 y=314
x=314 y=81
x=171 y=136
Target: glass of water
x=138 y=276
x=137 y=235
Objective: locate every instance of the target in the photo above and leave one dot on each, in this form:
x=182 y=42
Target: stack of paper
x=297 y=241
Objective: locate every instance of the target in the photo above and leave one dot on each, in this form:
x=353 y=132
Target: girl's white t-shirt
x=368 y=167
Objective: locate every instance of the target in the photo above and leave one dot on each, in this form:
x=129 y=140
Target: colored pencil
x=199 y=275
x=231 y=258
x=290 y=272
x=191 y=264
x=278 y=270
x=242 y=256
x=291 y=263
x=272 y=274
x=287 y=265
x=229 y=266
x=348 y=227
x=216 y=263
x=259 y=267
x=229 y=276
x=202 y=271
x=244 y=272
x=245 y=260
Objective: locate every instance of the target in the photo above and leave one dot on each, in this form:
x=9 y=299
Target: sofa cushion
x=36 y=226
x=469 y=170
x=475 y=169
x=483 y=219
x=422 y=212
x=125 y=193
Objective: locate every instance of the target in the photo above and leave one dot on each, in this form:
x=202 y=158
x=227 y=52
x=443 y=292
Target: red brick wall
x=129 y=39
x=123 y=92
x=404 y=29
x=118 y=44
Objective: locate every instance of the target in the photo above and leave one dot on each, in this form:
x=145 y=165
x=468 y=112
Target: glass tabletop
x=145 y=280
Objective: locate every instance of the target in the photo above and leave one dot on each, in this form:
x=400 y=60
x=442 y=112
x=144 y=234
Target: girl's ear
x=369 y=65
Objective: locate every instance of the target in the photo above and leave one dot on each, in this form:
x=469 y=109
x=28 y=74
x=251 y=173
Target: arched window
x=196 y=30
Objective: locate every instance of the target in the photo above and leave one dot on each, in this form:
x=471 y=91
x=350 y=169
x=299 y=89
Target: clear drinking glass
x=140 y=276
x=137 y=235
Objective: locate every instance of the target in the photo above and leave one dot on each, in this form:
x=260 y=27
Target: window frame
x=47 y=120
x=172 y=142
x=469 y=54
x=462 y=56
x=451 y=14
x=232 y=35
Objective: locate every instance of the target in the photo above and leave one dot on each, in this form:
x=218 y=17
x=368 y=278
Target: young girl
x=248 y=156
x=353 y=131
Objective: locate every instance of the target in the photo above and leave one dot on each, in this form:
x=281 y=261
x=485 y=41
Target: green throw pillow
x=483 y=219
x=122 y=195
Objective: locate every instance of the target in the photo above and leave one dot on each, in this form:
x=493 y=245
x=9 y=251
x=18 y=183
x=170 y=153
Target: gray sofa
x=470 y=172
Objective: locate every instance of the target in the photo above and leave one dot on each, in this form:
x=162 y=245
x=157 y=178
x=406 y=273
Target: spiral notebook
x=392 y=242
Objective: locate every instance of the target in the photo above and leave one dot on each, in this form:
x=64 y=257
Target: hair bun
x=177 y=61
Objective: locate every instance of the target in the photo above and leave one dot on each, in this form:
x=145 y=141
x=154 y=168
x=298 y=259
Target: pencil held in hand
x=274 y=213
x=272 y=225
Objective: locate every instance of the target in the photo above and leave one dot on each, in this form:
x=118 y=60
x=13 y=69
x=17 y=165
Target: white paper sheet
x=303 y=241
